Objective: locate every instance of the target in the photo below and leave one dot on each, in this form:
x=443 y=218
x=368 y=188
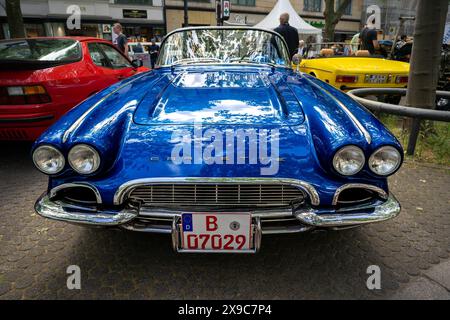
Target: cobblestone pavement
x=35 y=252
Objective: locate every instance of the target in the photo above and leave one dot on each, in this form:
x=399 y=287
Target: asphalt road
x=35 y=252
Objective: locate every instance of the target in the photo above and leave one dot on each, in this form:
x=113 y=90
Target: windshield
x=64 y=50
x=223 y=45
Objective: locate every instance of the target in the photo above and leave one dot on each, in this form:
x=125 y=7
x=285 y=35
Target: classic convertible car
x=220 y=144
x=360 y=71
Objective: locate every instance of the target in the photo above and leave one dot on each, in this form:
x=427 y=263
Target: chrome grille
x=226 y=194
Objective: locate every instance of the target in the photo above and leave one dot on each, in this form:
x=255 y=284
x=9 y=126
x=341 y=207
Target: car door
x=120 y=65
x=106 y=75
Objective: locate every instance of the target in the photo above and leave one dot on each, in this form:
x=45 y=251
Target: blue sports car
x=221 y=143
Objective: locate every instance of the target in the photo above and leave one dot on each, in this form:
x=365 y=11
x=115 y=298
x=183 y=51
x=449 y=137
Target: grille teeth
x=217 y=194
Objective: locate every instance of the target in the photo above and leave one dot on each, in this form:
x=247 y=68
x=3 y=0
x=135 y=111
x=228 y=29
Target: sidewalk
x=432 y=284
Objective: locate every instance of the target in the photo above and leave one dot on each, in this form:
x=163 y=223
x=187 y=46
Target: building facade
x=144 y=18
x=390 y=12
x=250 y=12
x=153 y=18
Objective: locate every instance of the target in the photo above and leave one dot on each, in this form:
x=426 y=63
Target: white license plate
x=376 y=78
x=223 y=232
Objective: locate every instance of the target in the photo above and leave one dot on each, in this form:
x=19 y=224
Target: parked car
x=132 y=47
x=142 y=53
x=360 y=71
x=222 y=143
x=43 y=78
x=443 y=103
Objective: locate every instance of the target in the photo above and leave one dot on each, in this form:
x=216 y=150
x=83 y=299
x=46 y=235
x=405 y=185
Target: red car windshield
x=40 y=50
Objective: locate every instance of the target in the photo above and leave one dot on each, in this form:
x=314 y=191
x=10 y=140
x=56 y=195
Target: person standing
x=290 y=34
x=354 y=43
x=121 y=41
x=302 y=48
x=153 y=49
x=369 y=40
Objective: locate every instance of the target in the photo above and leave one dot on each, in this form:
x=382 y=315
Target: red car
x=42 y=78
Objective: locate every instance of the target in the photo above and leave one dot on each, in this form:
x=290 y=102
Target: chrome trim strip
x=361 y=128
x=296 y=229
x=131 y=227
x=388 y=210
x=55 y=190
x=57 y=211
x=164 y=212
x=378 y=190
x=76 y=124
x=126 y=188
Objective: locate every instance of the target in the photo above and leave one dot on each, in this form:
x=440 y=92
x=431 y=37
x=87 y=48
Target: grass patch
x=433 y=144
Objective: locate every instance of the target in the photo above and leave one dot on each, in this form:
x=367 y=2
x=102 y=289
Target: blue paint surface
x=132 y=128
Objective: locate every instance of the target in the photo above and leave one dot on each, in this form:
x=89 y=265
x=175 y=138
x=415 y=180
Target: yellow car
x=346 y=73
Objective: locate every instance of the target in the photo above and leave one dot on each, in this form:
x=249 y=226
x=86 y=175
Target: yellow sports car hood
x=356 y=65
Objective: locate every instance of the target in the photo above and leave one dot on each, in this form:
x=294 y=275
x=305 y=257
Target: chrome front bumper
x=309 y=218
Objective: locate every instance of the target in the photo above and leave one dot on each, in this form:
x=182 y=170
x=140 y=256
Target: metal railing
x=417 y=114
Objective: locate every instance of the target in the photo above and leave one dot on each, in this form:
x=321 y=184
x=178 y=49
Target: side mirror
x=137 y=63
x=297 y=59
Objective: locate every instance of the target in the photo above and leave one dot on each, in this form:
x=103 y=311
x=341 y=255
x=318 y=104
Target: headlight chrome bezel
x=346 y=149
x=53 y=149
x=96 y=158
x=383 y=149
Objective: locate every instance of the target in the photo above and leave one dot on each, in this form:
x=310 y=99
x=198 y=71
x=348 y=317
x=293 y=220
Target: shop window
x=145 y=2
x=87 y=30
x=347 y=10
x=34 y=30
x=249 y=3
x=312 y=5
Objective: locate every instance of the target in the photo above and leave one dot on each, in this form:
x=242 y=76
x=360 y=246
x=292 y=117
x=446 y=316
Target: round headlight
x=84 y=159
x=348 y=160
x=48 y=159
x=385 y=160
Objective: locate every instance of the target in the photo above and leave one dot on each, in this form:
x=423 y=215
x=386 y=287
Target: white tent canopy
x=271 y=21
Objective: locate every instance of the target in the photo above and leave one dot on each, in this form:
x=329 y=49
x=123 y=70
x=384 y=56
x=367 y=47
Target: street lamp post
x=186 y=18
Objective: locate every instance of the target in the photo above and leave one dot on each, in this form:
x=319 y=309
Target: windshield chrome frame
x=288 y=63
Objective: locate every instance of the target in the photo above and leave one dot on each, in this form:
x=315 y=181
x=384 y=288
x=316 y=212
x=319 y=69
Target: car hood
x=357 y=65
x=120 y=123
x=228 y=96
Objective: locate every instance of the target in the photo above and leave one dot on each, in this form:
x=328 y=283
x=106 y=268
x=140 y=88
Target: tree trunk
x=14 y=16
x=426 y=53
x=329 y=31
x=332 y=17
x=425 y=57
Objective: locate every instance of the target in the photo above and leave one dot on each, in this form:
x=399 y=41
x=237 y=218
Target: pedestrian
x=290 y=34
x=139 y=48
x=301 y=48
x=120 y=41
x=154 y=51
x=369 y=39
x=354 y=43
x=401 y=42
